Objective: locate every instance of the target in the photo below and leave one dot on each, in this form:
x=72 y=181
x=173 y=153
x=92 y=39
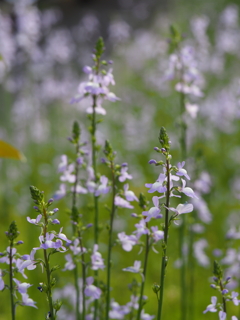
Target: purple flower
x=158 y=185
x=60 y=193
x=76 y=249
x=96 y=258
x=22 y=287
x=141 y=228
x=35 y=221
x=123 y=174
x=135 y=268
x=212 y=307
x=127 y=241
x=222 y=315
x=182 y=208
x=120 y=202
x=55 y=221
x=157 y=234
x=154 y=212
x=2 y=285
x=182 y=172
x=130 y=196
x=69 y=265
x=146 y=316
x=91 y=290
x=26 y=301
x=79 y=189
x=234 y=299
x=63 y=236
x=102 y=188
x=186 y=190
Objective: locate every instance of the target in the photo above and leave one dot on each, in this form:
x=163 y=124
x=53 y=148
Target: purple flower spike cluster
x=97 y=84
x=160 y=187
x=16 y=264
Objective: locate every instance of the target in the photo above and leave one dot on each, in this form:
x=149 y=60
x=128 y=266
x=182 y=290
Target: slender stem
x=83 y=275
x=182 y=229
x=223 y=298
x=75 y=271
x=140 y=306
x=49 y=290
x=191 y=270
x=164 y=257
x=11 y=281
x=48 y=272
x=110 y=241
x=93 y=132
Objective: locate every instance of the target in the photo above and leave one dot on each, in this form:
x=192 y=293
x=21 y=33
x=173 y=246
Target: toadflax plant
x=50 y=243
x=16 y=265
x=165 y=186
x=221 y=286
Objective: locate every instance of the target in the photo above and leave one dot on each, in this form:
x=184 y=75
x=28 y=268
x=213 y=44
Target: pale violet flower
x=120 y=202
x=153 y=212
x=79 y=189
x=192 y=109
x=141 y=228
x=158 y=185
x=35 y=221
x=212 y=307
x=96 y=259
x=157 y=234
x=186 y=190
x=91 y=290
x=127 y=242
x=234 y=298
x=146 y=316
x=22 y=287
x=103 y=187
x=59 y=194
x=181 y=171
x=222 y=315
x=124 y=174
x=182 y=208
x=26 y=301
x=135 y=268
x=129 y=195
x=2 y=285
x=69 y=265
x=198 y=248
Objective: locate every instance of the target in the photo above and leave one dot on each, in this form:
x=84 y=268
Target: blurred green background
x=44 y=46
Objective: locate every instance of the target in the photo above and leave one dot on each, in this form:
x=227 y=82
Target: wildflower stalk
x=140 y=303
x=99 y=48
x=75 y=217
x=110 y=156
x=12 y=234
x=176 y=41
x=46 y=260
x=11 y=281
x=164 y=246
x=83 y=275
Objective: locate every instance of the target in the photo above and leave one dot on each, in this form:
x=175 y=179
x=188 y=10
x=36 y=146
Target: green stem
x=83 y=276
x=191 y=269
x=11 y=281
x=183 y=133
x=110 y=241
x=48 y=272
x=164 y=257
x=49 y=289
x=223 y=298
x=74 y=200
x=140 y=306
x=93 y=132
